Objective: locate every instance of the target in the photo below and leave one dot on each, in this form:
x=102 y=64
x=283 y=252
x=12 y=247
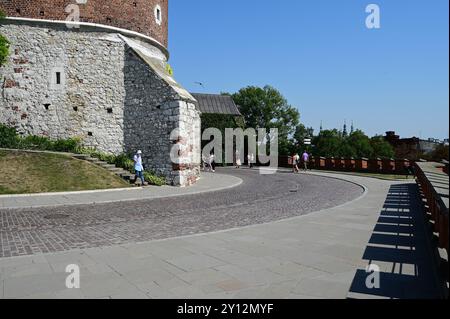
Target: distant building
x=411 y=148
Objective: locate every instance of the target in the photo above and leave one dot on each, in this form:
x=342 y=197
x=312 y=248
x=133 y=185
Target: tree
x=332 y=143
x=267 y=108
x=327 y=143
x=301 y=133
x=381 y=147
x=4 y=45
x=360 y=143
x=440 y=153
x=221 y=122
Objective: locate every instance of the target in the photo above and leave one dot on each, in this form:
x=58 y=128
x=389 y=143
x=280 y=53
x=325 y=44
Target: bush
x=124 y=161
x=4 y=44
x=4 y=50
x=71 y=145
x=154 y=180
x=33 y=142
x=8 y=137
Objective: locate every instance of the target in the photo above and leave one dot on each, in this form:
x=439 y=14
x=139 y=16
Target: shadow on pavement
x=399 y=248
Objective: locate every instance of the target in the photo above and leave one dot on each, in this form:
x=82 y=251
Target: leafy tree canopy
x=332 y=143
x=267 y=108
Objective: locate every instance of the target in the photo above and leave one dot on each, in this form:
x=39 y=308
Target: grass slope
x=25 y=173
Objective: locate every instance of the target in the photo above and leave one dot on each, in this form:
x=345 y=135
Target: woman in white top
x=238 y=160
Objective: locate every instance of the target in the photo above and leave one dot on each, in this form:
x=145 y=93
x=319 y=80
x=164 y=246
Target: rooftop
x=216 y=104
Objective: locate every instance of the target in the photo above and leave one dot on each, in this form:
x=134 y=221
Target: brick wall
x=134 y=15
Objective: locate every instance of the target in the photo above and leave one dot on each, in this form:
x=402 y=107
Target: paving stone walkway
x=257 y=200
x=317 y=255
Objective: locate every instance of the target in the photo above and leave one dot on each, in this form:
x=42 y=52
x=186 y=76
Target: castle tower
x=146 y=17
x=97 y=70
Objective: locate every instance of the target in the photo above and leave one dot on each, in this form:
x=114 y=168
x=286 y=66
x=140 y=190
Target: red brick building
x=410 y=148
x=149 y=17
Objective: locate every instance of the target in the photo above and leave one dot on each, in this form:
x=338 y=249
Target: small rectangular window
x=58 y=77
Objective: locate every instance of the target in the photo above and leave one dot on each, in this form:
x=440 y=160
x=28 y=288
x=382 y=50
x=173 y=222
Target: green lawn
x=25 y=173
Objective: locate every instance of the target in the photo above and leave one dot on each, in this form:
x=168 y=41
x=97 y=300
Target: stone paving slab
x=319 y=255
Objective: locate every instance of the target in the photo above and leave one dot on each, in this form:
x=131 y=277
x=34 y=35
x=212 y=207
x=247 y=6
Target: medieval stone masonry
x=109 y=88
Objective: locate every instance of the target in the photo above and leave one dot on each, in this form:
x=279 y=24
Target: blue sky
x=322 y=58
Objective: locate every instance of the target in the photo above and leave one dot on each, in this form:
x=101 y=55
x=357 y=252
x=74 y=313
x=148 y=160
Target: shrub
x=124 y=161
x=33 y=142
x=4 y=44
x=71 y=145
x=154 y=180
x=4 y=50
x=8 y=137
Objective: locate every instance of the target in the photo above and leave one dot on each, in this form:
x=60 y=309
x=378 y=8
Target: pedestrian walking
x=251 y=159
x=205 y=161
x=295 y=161
x=212 y=163
x=238 y=159
x=305 y=159
x=139 y=167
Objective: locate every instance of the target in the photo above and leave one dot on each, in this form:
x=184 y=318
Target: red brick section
x=134 y=15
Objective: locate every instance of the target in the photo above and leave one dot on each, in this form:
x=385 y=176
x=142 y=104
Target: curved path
x=259 y=199
x=318 y=255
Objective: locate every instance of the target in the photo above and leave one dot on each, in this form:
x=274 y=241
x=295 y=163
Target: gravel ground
x=259 y=199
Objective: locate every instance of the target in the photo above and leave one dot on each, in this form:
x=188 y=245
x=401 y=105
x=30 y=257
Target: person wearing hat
x=138 y=167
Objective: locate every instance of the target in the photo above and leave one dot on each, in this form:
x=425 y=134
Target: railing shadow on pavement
x=399 y=247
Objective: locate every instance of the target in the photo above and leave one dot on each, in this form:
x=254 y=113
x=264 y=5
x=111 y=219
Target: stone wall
x=159 y=120
x=89 y=101
x=107 y=95
x=136 y=15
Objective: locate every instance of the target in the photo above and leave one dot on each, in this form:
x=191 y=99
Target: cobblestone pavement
x=260 y=199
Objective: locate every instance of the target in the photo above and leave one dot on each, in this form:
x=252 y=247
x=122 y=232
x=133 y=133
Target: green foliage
x=70 y=145
x=360 y=143
x=4 y=50
x=169 y=69
x=440 y=153
x=33 y=142
x=124 y=161
x=301 y=133
x=10 y=139
x=153 y=179
x=4 y=45
x=327 y=143
x=267 y=108
x=381 y=148
x=221 y=122
x=332 y=143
